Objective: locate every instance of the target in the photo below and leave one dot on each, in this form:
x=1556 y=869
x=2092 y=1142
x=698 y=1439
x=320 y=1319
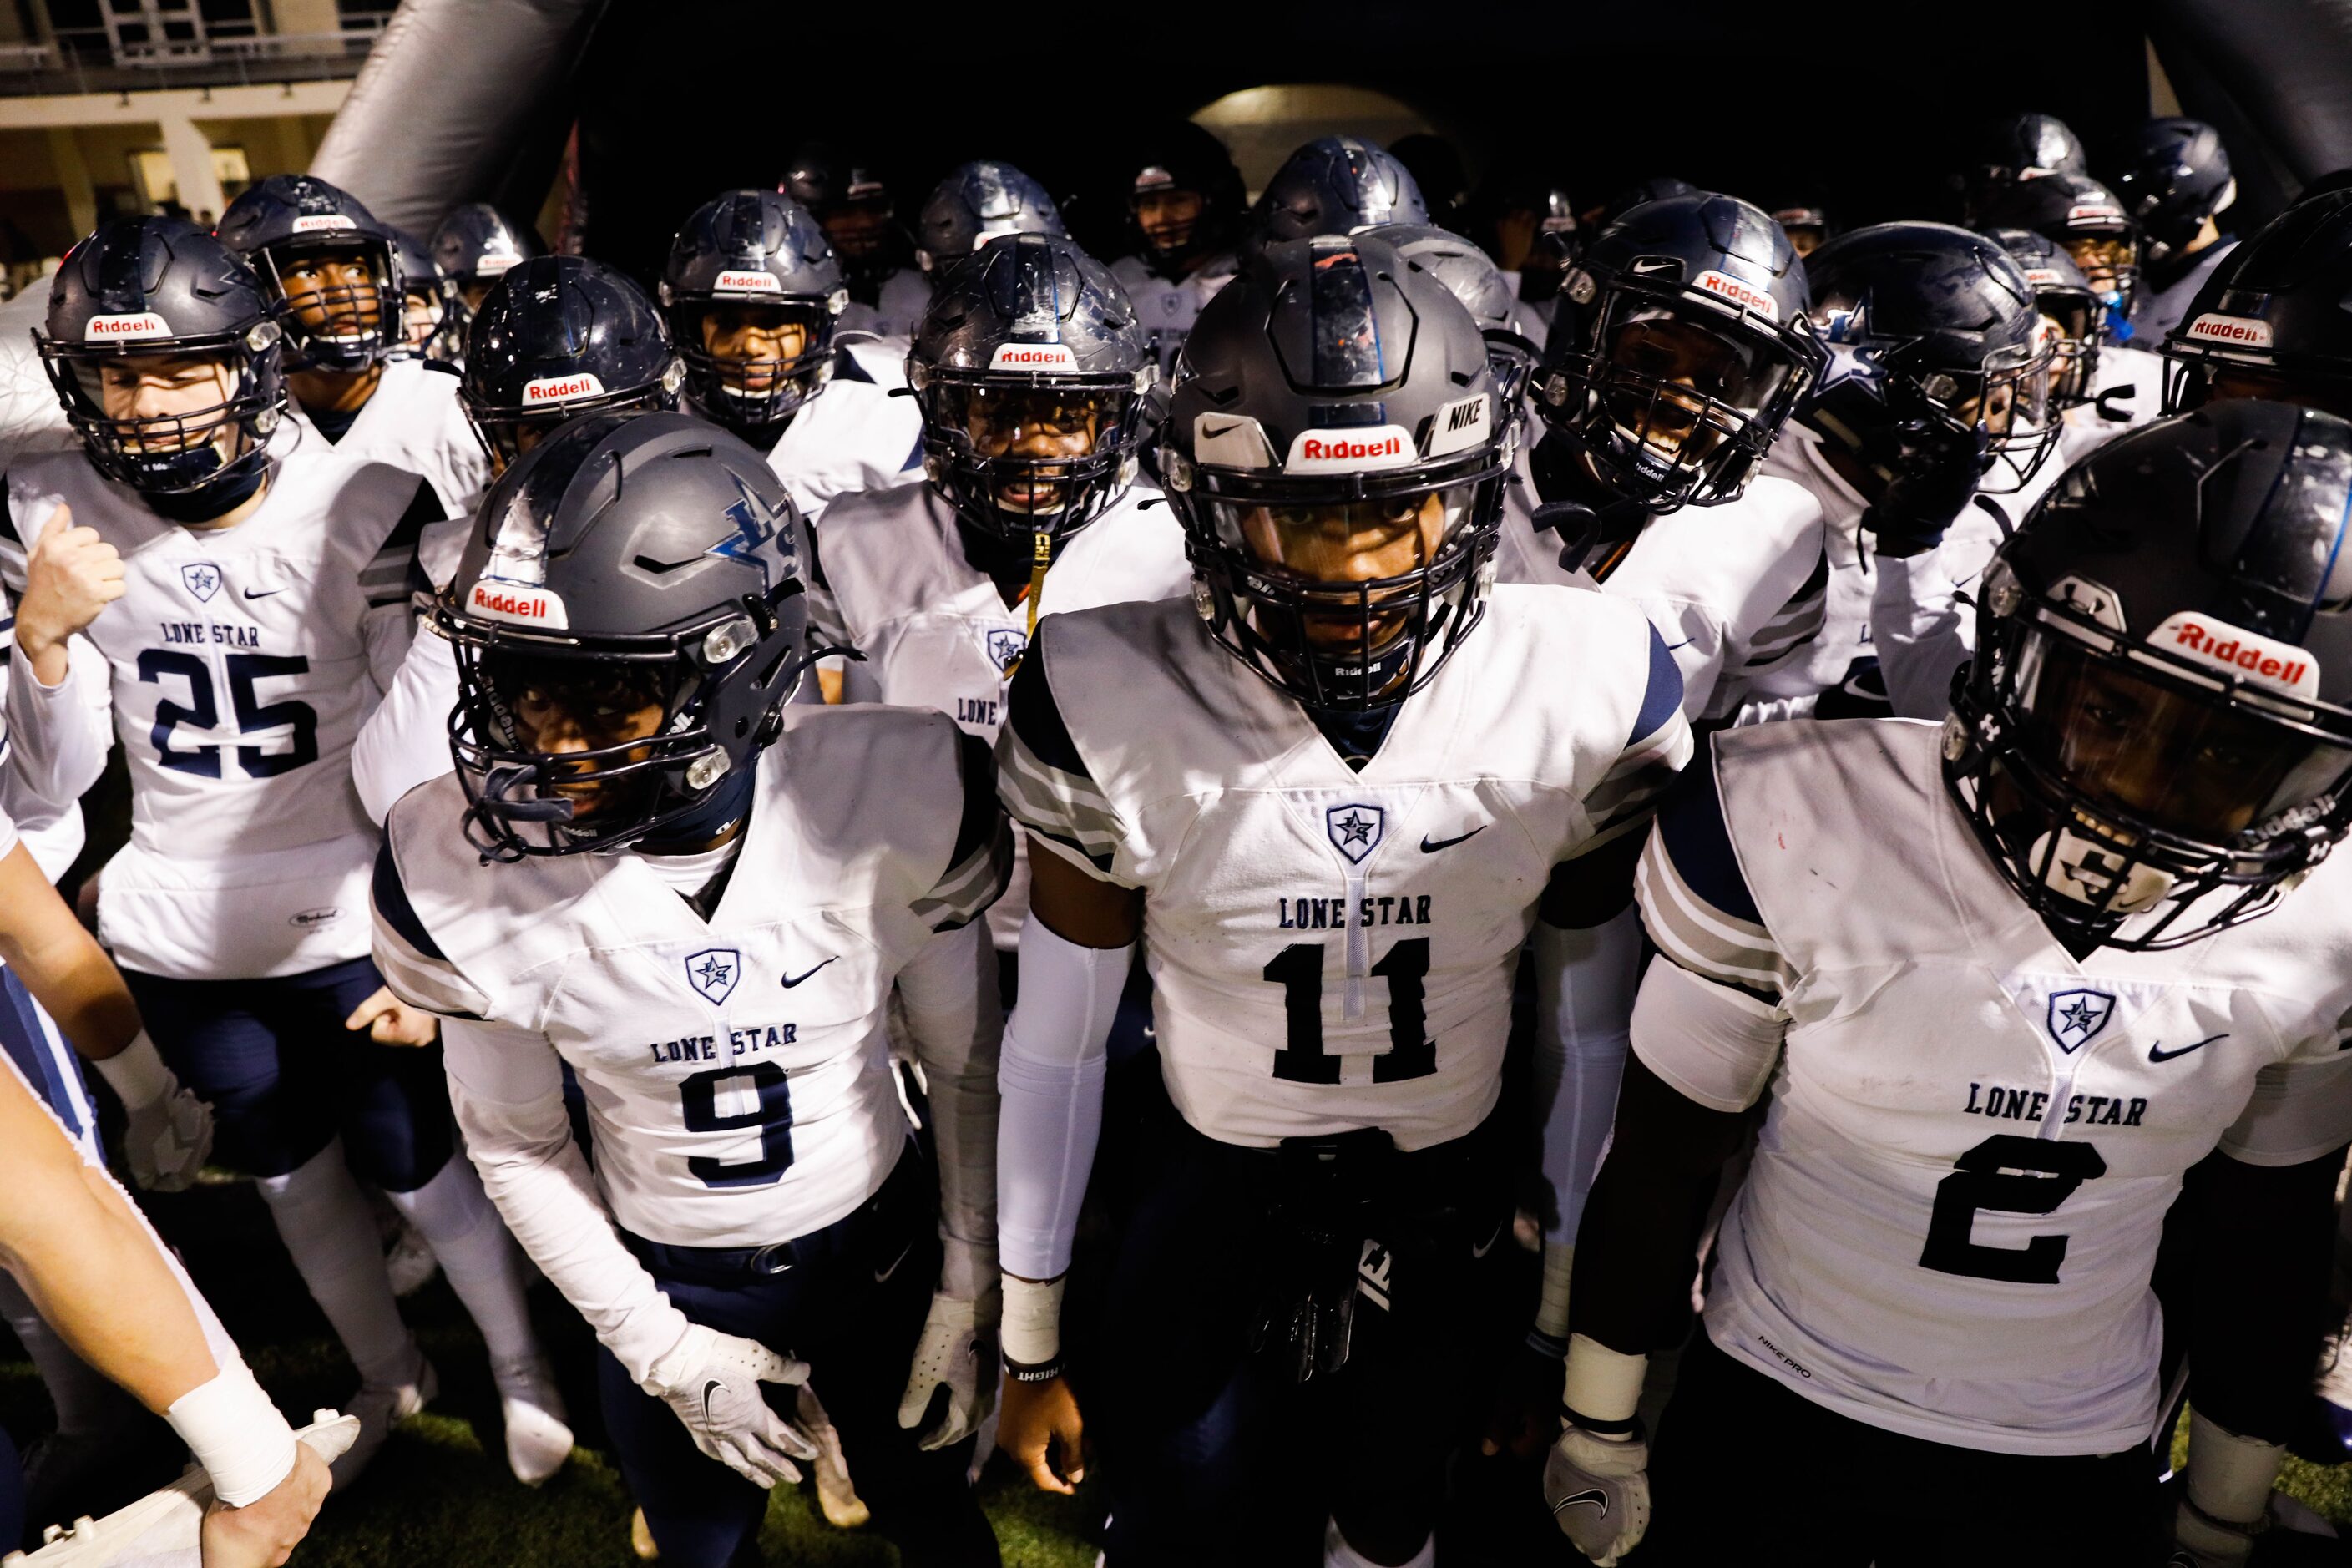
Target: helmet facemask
x=2006 y=405
x=1020 y=455
x=736 y=366
x=342 y=326
x=185 y=453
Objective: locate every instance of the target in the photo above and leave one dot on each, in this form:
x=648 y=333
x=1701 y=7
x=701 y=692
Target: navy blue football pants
x=285 y=1077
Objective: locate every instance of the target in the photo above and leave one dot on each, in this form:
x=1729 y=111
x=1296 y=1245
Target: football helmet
x=754 y=267
x=156 y=288
x=1679 y=347
x=855 y=207
x=1475 y=279
x=1931 y=332
x=1336 y=390
x=2067 y=301
x=287 y=216
x=2081 y=215
x=1031 y=370
x=626 y=563
x=2178 y=176
x=2016 y=148
x=2155 y=739
x=558 y=336
x=2270 y=322
x=1656 y=188
x=1183 y=157
x=473 y=248
x=422 y=304
x=1334 y=184
x=975 y=204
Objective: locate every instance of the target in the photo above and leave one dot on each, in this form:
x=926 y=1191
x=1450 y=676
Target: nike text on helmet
x=2155 y=739
x=1335 y=373
x=152 y=287
x=655 y=557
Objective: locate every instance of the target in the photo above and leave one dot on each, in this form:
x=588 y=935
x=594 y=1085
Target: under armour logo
x=713 y=973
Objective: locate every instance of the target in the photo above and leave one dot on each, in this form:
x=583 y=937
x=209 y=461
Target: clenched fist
x=72 y=575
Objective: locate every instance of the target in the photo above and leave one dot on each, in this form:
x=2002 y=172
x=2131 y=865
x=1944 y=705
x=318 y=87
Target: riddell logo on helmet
x=560 y=389
x=315 y=223
x=1745 y=295
x=124 y=329
x=2248 y=655
x=2094 y=212
x=2210 y=328
x=1351 y=451
x=748 y=283
x=1032 y=356
x=519 y=603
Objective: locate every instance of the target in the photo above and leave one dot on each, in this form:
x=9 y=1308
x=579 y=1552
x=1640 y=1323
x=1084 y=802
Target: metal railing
x=86 y=60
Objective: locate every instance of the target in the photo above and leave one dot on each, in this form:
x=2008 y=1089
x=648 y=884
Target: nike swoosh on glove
x=716 y=1391
x=168 y=1139
x=955 y=1343
x=1598 y=1490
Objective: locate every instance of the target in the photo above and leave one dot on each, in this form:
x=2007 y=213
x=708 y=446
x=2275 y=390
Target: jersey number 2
x=698 y=1098
x=1298 y=970
x=202 y=711
x=2008 y=1174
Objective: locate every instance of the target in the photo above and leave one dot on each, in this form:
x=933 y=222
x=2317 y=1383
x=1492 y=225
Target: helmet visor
x=1030 y=447
x=1347 y=576
x=1676 y=388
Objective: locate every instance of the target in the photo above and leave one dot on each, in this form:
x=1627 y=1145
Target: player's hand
x=1525 y=1414
x=1598 y=1490
x=264 y=1532
x=70 y=576
x=168 y=1139
x=959 y=1339
x=1038 y=1417
x=718 y=1396
x=2201 y=1541
x=389 y=1021
x=1934 y=480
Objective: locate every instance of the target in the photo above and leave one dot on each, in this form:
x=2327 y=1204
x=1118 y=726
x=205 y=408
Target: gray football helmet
x=1478 y=283
x=971 y=206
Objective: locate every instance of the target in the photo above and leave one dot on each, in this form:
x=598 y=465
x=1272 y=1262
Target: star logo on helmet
x=757 y=541
x=1858 y=365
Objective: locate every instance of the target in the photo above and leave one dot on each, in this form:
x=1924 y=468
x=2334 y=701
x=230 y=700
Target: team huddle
x=1789 y=774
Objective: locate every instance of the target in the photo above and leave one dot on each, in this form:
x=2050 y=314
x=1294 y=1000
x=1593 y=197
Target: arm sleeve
x=506 y=1086
x=1051 y=1076
x=1044 y=782
x=981 y=861
x=1790 y=632
x=1658 y=748
x=405 y=741
x=1584 y=998
x=411 y=962
x=949 y=993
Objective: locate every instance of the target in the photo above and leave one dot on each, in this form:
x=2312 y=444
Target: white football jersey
x=1166 y=308
x=850 y=437
x=893 y=583
x=44 y=801
x=1973 y=1138
x=897 y=309
x=415 y=422
x=739 y=1089
x=1333 y=950
x=241 y=663
x=1737 y=589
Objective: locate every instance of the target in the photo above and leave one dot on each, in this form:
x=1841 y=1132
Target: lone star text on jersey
x=1331 y=914
x=743 y=1042
x=2004 y=1103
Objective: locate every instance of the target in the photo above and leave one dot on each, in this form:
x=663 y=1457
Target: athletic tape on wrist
x=1603 y=1385
x=2230 y=1477
x=1032 y=1332
x=236 y=1434
x=137 y=1074
x=1551 y=1307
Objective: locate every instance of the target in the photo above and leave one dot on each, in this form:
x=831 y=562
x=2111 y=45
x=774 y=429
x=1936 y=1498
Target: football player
x=1937 y=387
x=2005 y=982
x=1679 y=347
x=332 y=272
x=975 y=204
x=1185 y=203
x=650 y=868
x=472 y=250
x=886 y=294
x=2269 y=323
x=1334 y=184
x=1356 y=775
x=2073 y=322
x=1032 y=370
x=752 y=295
x=2176 y=185
x=2014 y=148
x=421 y=301
x=250 y=601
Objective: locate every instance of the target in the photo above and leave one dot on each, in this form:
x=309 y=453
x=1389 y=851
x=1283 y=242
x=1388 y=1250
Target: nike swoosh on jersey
x=793 y=980
x=882 y=1275
x=1488 y=1246
x=1429 y=849
x=262 y=592
x=1672 y=645
x=1593 y=1495
x=2157 y=1053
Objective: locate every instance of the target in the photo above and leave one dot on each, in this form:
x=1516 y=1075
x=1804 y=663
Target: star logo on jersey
x=756 y=538
x=2077 y=1016
x=1005 y=646
x=713 y=973
x=202 y=579
x=1355 y=830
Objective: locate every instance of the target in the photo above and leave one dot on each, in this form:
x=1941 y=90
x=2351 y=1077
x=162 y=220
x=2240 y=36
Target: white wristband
x=1032 y=1333
x=136 y=1074
x=236 y=1434
x=1602 y=1384
x=2230 y=1477
x=1551 y=1305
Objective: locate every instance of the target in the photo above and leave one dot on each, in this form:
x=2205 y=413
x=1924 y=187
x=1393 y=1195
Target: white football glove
x=716 y=1391
x=955 y=1345
x=1598 y=1490
x=170 y=1131
x=2199 y=1541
